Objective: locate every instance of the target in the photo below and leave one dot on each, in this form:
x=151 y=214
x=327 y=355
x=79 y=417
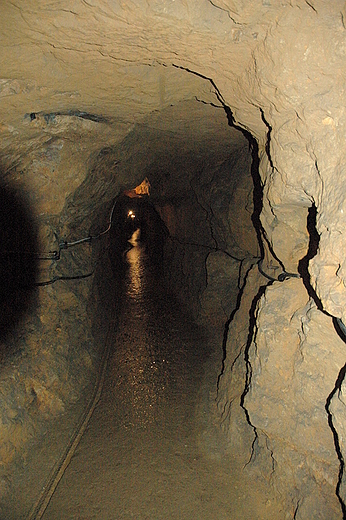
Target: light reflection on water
x=135 y=261
x=151 y=366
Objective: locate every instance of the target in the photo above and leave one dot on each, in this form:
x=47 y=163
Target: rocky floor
x=150 y=450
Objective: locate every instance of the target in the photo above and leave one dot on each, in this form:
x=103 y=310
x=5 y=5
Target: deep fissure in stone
x=303 y=266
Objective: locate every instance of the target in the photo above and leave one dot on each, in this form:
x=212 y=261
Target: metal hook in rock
x=282 y=276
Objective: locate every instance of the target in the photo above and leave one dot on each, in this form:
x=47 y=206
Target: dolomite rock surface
x=93 y=96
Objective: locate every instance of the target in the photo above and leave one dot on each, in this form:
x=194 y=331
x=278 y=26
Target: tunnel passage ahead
x=200 y=174
x=136 y=213
x=201 y=187
x=141 y=455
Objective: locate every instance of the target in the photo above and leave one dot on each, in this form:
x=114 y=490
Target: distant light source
x=131 y=214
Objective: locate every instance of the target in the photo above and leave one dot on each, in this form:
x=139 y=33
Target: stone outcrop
x=96 y=96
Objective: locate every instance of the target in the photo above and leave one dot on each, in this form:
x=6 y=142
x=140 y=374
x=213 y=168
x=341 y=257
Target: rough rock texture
x=292 y=351
x=97 y=95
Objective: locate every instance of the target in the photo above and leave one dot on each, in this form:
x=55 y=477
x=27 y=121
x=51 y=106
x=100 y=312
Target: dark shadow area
x=131 y=214
x=18 y=260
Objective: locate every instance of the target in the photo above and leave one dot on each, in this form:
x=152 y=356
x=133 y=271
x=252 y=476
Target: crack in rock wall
x=81 y=94
x=295 y=350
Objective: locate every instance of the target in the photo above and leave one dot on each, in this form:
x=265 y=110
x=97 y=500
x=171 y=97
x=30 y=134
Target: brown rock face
x=235 y=111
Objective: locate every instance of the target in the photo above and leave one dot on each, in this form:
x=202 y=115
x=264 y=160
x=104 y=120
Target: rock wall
x=212 y=240
x=92 y=98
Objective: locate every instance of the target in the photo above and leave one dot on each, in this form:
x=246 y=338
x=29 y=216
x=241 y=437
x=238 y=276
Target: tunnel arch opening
x=201 y=171
x=202 y=192
x=205 y=189
x=202 y=188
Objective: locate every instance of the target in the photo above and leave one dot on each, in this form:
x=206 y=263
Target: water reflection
x=135 y=260
x=150 y=372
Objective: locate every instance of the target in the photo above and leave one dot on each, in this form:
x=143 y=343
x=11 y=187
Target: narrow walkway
x=140 y=457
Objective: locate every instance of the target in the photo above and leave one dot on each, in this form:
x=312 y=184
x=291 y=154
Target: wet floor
x=140 y=456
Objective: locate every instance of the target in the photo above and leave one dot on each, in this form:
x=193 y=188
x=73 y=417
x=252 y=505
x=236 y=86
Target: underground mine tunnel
x=187 y=227
x=233 y=112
